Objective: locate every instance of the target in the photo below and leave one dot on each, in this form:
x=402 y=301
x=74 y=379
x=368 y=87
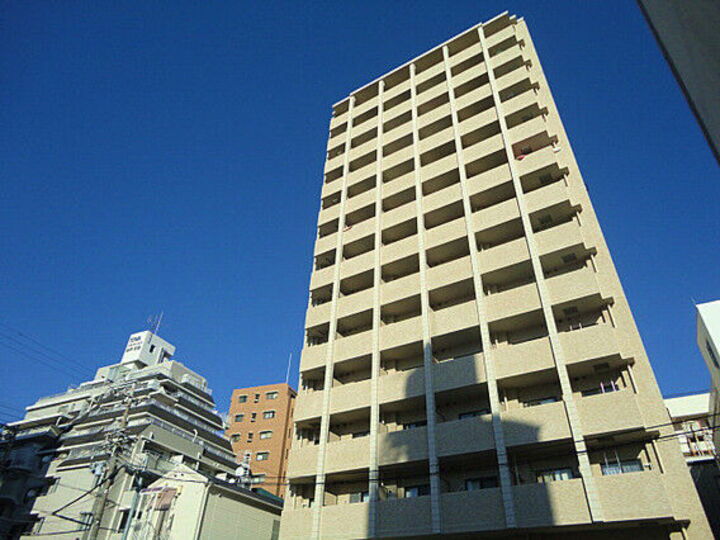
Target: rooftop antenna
x=287 y=374
x=155 y=322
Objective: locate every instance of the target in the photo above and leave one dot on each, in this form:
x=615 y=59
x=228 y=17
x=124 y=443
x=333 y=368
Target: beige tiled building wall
x=471 y=363
x=260 y=425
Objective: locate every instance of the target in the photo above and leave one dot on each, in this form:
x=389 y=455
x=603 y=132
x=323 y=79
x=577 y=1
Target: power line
x=42 y=361
x=49 y=349
x=60 y=361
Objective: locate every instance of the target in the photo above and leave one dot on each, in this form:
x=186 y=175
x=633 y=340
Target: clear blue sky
x=168 y=156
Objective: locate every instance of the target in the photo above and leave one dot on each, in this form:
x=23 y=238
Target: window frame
x=272 y=414
x=267 y=432
x=264 y=453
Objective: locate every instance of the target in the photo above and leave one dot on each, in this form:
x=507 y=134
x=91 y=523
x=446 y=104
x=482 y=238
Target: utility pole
x=116 y=441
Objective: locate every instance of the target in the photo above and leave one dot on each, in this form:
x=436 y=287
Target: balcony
x=589 y=343
x=500 y=36
x=453 y=318
x=547 y=196
x=450 y=272
x=396 y=158
x=353 y=303
x=399 y=250
x=296 y=524
x=352 y=346
x=317 y=315
x=459 y=372
x=551 y=504
x=445 y=232
x=396 y=185
x=483 y=148
x=343 y=521
x=572 y=285
x=521 y=358
x=399 y=385
x=302 y=460
x=558 y=237
x=400 y=333
x=402 y=446
x=464 y=436
x=528 y=425
x=309 y=405
x=470 y=511
x=633 y=496
x=404 y=517
x=348 y=455
x=512 y=302
x=496 y=215
x=357 y=265
x=400 y=288
x=457 y=59
x=609 y=413
x=396 y=216
x=350 y=396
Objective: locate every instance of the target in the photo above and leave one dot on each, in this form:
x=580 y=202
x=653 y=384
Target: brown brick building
x=260 y=421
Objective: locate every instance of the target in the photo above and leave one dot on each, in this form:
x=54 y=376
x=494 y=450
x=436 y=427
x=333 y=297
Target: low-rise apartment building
x=708 y=341
x=690 y=415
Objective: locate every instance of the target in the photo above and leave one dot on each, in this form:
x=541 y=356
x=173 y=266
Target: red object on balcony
x=521 y=157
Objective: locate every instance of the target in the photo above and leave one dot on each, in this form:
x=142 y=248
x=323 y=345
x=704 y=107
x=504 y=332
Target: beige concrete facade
x=471 y=363
x=260 y=427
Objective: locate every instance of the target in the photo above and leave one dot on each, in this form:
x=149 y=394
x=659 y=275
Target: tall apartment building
x=471 y=362
x=170 y=419
x=260 y=431
x=708 y=341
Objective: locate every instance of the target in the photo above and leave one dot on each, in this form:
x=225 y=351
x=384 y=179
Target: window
x=242 y=399
x=257 y=398
x=472 y=414
x=271 y=395
x=239 y=417
x=235 y=437
x=540 y=401
x=359 y=434
x=124 y=515
x=552 y=475
x=258 y=478
x=269 y=414
x=250 y=436
x=417 y=491
x=152 y=348
x=621 y=467
x=359 y=496
x=265 y=434
x=262 y=456
x=253 y=416
x=711 y=354
x=485 y=482
x=605 y=387
x=413 y=425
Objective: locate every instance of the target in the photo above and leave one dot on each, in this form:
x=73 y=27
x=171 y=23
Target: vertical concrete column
x=373 y=469
x=425 y=314
x=558 y=355
x=332 y=330
x=500 y=449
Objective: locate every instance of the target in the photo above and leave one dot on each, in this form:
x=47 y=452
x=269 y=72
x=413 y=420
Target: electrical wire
x=49 y=349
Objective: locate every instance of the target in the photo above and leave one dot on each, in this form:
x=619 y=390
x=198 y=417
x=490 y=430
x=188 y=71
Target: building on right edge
x=687 y=33
x=708 y=341
x=471 y=362
x=690 y=416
